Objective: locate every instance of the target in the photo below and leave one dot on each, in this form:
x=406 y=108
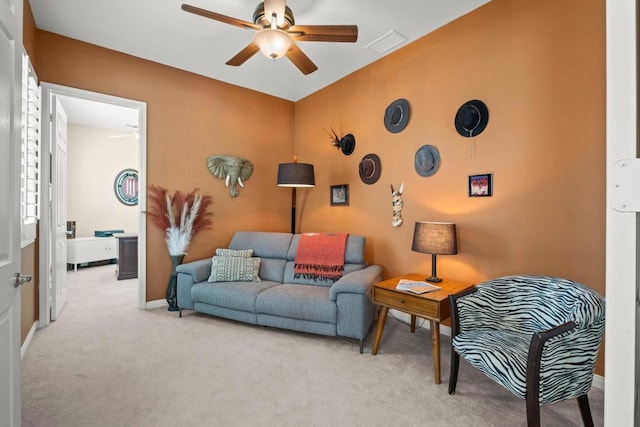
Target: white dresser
x=89 y=249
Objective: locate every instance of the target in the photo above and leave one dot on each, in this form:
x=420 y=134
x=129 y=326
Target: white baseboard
x=598 y=380
x=27 y=341
x=159 y=303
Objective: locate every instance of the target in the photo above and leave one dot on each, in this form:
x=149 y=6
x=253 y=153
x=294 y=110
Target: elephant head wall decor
x=233 y=170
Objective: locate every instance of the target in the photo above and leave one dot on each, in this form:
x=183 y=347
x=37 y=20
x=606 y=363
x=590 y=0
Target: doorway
x=103 y=108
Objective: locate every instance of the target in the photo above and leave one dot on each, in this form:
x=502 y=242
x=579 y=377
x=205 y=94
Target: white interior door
x=58 y=209
x=10 y=149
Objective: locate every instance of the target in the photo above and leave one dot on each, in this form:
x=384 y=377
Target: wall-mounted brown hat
x=396 y=116
x=370 y=168
x=472 y=118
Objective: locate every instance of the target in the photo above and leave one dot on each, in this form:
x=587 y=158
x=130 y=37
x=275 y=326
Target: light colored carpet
x=106 y=363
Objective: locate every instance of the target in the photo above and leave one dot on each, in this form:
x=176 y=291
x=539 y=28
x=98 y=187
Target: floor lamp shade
x=435 y=238
x=296 y=175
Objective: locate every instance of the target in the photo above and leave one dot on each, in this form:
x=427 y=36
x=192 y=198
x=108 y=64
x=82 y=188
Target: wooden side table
x=433 y=306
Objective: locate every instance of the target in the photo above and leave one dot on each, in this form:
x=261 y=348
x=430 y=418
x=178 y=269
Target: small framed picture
x=481 y=185
x=340 y=195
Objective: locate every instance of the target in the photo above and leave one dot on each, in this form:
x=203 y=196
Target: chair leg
x=585 y=410
x=453 y=371
x=533 y=410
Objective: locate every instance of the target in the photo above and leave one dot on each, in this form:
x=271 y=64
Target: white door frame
x=49 y=90
x=622 y=233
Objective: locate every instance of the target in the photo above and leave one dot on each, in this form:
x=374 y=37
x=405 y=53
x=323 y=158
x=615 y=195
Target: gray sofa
x=341 y=308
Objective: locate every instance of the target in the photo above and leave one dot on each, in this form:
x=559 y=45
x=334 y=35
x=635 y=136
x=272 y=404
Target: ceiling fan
x=276 y=33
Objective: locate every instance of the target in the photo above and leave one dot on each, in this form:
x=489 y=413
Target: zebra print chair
x=537 y=336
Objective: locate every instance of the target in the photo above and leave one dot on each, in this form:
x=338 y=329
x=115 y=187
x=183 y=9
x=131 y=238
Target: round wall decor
x=126 y=187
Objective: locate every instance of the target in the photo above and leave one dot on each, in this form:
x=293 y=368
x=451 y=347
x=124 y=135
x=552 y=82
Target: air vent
x=387 y=42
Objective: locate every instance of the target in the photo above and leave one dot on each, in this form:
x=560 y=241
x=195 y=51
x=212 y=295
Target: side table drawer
x=412 y=304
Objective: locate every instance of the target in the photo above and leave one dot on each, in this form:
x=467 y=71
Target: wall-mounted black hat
x=347 y=144
x=396 y=116
x=472 y=118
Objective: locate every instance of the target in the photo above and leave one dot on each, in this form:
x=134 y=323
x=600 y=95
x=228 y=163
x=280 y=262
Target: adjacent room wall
x=94 y=159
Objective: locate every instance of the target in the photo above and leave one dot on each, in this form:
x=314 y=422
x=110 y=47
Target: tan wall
x=94 y=159
x=189 y=118
x=540 y=68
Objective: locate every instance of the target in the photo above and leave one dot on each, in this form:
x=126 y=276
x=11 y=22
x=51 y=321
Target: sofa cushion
x=271 y=247
x=353 y=251
x=247 y=253
x=272 y=269
x=233 y=269
x=298 y=302
x=353 y=258
x=264 y=244
x=233 y=295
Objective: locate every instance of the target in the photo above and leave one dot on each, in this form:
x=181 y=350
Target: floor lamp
x=295 y=175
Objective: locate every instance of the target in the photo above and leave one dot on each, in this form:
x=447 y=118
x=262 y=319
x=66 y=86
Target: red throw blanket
x=320 y=256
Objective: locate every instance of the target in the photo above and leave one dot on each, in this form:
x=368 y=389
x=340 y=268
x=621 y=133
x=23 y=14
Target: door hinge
x=624 y=189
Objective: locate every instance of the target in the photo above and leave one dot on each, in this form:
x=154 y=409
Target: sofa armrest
x=188 y=275
x=356 y=282
x=199 y=270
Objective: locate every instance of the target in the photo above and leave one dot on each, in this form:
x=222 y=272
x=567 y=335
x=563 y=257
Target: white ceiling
x=123 y=120
x=158 y=30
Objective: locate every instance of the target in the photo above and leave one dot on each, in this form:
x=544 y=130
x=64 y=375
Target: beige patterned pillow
x=247 y=253
x=234 y=269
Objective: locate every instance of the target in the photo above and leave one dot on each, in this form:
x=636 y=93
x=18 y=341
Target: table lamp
x=435 y=238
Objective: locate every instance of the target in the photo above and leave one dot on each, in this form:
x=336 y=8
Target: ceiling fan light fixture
x=273 y=43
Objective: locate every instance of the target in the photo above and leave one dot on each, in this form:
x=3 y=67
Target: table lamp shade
x=436 y=238
x=296 y=175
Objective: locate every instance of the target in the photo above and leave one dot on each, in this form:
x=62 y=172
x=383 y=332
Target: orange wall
x=189 y=118
x=540 y=68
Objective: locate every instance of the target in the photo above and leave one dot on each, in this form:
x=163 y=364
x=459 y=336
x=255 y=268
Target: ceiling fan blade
x=277 y=7
x=221 y=18
x=301 y=60
x=324 y=33
x=242 y=56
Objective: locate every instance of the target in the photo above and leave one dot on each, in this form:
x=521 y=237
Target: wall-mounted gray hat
x=427 y=160
x=396 y=116
x=472 y=118
x=370 y=168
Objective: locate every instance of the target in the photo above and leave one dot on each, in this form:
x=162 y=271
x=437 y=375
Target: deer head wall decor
x=346 y=144
x=396 y=202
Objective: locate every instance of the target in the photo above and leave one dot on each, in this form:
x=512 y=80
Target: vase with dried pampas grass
x=181 y=216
